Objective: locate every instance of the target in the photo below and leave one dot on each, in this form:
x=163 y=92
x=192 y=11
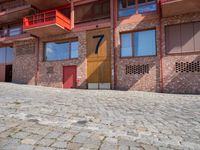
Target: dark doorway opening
x=8 y=73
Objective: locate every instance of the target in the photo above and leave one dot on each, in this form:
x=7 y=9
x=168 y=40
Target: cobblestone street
x=40 y=118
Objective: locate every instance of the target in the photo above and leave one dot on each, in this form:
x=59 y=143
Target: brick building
x=143 y=45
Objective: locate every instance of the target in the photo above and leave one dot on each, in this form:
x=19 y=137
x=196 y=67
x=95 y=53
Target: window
x=61 y=50
x=183 y=38
x=2 y=56
x=15 y=31
x=92 y=11
x=141 y=43
x=145 y=43
x=127 y=49
x=74 y=50
x=6 y=55
x=130 y=7
x=9 y=55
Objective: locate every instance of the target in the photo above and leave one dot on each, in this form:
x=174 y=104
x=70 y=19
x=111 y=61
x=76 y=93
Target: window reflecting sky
x=61 y=50
x=126 y=44
x=6 y=55
x=144 y=43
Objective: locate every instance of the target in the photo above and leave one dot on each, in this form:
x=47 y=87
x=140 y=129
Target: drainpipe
x=114 y=41
x=37 y=59
x=161 y=50
x=72 y=14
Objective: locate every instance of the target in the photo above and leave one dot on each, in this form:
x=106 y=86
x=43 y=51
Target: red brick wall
x=139 y=82
x=180 y=82
x=24 y=65
x=55 y=78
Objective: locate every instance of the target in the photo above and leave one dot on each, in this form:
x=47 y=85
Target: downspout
x=161 y=50
x=37 y=59
x=114 y=42
x=38 y=51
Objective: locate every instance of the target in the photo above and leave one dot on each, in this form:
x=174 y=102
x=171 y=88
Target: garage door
x=99 y=58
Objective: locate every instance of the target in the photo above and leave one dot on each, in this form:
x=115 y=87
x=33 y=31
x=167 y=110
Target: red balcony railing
x=47 y=18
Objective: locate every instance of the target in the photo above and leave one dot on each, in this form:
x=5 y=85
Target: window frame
x=136 y=6
x=133 y=49
x=64 y=41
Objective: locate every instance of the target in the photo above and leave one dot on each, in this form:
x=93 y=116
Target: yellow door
x=99 y=56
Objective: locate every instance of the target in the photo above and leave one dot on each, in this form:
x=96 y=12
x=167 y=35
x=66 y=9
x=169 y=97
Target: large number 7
x=99 y=42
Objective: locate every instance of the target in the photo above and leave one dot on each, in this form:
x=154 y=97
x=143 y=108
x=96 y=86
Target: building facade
x=142 y=45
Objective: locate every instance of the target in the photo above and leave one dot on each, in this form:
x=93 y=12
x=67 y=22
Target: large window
x=141 y=43
x=6 y=55
x=130 y=7
x=61 y=50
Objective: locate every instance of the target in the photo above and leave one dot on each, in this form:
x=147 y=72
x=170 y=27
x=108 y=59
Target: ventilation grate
x=24 y=48
x=137 y=69
x=188 y=67
x=49 y=70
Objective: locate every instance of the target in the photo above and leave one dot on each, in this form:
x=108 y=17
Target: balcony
x=11 y=10
x=47 y=23
x=179 y=7
x=48 y=4
x=8 y=36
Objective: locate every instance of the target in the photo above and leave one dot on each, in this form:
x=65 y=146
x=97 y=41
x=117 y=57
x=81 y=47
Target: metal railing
x=12 y=4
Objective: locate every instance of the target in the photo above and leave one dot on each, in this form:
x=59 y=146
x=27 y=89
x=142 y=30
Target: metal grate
x=49 y=70
x=24 y=48
x=137 y=69
x=188 y=67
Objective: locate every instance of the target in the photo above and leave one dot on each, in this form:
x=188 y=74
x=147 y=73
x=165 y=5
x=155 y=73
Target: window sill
x=183 y=53
x=64 y=60
x=133 y=57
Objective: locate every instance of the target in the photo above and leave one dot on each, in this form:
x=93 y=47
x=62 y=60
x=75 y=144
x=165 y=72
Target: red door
x=69 y=79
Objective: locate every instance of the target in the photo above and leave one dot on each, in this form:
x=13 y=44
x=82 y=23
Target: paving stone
x=46 y=142
x=43 y=148
x=20 y=135
x=85 y=119
x=106 y=146
x=61 y=145
x=74 y=146
x=65 y=137
x=24 y=147
x=53 y=135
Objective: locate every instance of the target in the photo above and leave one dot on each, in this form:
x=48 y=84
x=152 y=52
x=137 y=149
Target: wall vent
x=188 y=67
x=137 y=69
x=24 y=48
x=49 y=70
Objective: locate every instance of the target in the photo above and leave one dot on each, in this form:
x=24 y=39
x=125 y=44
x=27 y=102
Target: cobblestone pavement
x=40 y=118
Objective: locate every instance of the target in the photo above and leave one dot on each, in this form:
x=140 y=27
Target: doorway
x=8 y=73
x=69 y=76
x=99 y=59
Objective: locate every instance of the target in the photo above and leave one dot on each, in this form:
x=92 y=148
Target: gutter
x=37 y=59
x=161 y=50
x=114 y=42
